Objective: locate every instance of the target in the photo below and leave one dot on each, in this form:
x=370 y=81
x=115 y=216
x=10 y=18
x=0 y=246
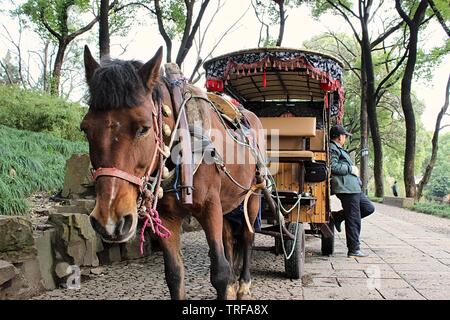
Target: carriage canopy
x=278 y=74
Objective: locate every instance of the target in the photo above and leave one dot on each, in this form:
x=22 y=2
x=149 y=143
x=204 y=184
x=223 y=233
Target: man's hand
x=355 y=171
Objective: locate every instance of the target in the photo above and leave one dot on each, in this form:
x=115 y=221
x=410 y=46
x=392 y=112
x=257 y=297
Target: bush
x=375 y=199
x=31 y=162
x=434 y=208
x=40 y=112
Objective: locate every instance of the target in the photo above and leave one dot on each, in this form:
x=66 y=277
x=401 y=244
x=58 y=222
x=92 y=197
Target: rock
x=132 y=249
x=7 y=271
x=76 y=240
x=62 y=269
x=45 y=256
x=16 y=239
x=398 y=202
x=111 y=253
x=86 y=204
x=42 y=212
x=44 y=226
x=97 y=271
x=114 y=253
x=77 y=182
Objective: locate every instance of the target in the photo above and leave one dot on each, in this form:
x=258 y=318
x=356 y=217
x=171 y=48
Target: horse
x=122 y=135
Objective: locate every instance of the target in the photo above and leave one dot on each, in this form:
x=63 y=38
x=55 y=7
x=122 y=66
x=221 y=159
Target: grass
x=40 y=112
x=31 y=162
x=433 y=208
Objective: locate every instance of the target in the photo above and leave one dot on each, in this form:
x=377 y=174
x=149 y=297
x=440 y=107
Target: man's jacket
x=342 y=181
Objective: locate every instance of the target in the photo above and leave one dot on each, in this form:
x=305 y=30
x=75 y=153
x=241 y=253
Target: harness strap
x=253 y=188
x=114 y=172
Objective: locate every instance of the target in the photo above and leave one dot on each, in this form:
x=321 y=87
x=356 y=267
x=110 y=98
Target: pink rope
x=152 y=218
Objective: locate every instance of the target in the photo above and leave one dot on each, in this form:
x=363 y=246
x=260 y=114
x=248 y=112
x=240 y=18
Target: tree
x=200 y=40
x=439 y=184
x=276 y=12
x=55 y=19
x=175 y=19
x=414 y=25
x=435 y=143
x=369 y=94
x=103 y=29
x=389 y=113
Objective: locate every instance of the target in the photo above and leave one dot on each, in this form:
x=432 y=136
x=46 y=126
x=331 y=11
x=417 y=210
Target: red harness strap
x=114 y=172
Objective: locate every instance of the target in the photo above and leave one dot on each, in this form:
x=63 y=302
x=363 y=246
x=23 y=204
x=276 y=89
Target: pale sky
x=144 y=40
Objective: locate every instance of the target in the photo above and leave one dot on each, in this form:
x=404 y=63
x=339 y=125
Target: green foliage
x=320 y=7
x=36 y=111
x=439 y=185
x=56 y=14
x=434 y=208
x=31 y=162
x=375 y=199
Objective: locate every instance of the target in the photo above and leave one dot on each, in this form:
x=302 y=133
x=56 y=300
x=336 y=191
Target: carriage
x=297 y=95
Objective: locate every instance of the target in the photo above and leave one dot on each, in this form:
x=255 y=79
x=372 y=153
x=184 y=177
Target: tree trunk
x=189 y=33
x=56 y=75
x=45 y=67
x=282 y=21
x=366 y=54
x=104 y=29
x=408 y=110
x=163 y=32
x=364 y=133
x=434 y=142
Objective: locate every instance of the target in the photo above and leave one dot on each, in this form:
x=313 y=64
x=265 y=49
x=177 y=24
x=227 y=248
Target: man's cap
x=337 y=130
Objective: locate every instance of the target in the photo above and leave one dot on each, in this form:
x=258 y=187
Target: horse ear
x=149 y=72
x=90 y=65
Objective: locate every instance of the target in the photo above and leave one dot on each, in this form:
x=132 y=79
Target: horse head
x=121 y=132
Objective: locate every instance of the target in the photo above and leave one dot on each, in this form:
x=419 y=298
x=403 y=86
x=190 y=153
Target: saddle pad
x=225 y=106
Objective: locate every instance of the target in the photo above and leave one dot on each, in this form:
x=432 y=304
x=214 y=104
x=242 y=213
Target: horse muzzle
x=116 y=232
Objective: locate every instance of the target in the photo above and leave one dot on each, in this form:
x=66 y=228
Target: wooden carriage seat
x=318 y=143
x=292 y=133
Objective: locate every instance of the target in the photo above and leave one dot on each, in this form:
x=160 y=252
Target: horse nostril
x=97 y=226
x=124 y=225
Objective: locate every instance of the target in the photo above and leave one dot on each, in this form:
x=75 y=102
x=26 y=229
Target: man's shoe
x=336 y=220
x=357 y=254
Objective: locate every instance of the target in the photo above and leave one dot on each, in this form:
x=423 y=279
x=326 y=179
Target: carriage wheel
x=328 y=242
x=295 y=265
x=278 y=249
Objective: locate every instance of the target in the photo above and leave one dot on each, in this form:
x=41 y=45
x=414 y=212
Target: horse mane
x=117 y=84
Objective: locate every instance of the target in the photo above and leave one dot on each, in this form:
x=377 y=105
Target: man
x=346 y=184
x=394 y=189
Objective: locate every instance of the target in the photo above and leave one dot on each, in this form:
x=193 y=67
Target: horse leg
x=247 y=244
x=221 y=274
x=173 y=260
x=228 y=242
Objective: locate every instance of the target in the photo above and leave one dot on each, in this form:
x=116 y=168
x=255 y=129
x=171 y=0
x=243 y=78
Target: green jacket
x=342 y=181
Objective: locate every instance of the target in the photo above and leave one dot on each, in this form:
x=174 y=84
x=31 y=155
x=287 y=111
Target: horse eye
x=143 y=131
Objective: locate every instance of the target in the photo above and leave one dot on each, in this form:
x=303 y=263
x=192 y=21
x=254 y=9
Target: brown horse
x=121 y=134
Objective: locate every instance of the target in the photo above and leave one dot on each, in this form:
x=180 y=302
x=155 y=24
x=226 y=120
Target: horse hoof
x=244 y=296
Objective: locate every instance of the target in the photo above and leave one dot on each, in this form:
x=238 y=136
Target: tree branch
x=439 y=17
x=402 y=13
x=47 y=26
x=386 y=34
x=346 y=19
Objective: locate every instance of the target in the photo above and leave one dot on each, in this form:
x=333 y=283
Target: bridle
x=140 y=182
x=148 y=193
